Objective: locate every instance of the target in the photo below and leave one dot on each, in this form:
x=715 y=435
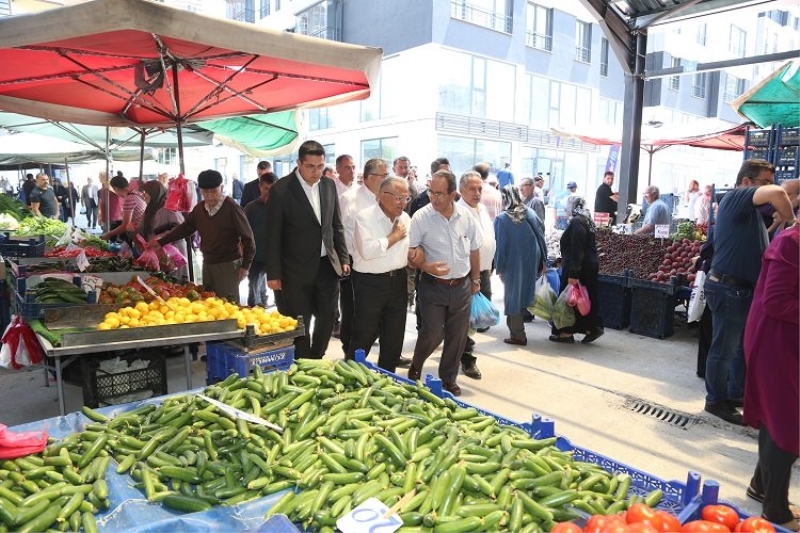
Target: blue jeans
x=729 y=305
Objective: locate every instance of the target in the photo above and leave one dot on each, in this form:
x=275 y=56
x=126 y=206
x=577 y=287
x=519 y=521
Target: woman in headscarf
x=579 y=264
x=157 y=220
x=519 y=259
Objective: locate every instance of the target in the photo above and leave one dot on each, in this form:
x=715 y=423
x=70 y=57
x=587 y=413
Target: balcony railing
x=329 y=33
x=541 y=41
x=244 y=15
x=583 y=54
x=490 y=19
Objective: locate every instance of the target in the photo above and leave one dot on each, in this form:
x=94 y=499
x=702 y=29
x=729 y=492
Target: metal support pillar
x=632 y=128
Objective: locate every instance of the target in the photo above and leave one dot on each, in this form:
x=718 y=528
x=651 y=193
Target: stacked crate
x=779 y=145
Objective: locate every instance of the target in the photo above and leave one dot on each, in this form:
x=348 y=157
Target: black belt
x=390 y=274
x=729 y=280
x=449 y=282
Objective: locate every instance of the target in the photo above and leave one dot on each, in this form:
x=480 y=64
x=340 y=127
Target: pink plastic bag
x=179 y=197
x=13 y=445
x=578 y=297
x=174 y=256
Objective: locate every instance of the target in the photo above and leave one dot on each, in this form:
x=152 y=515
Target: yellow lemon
x=134 y=313
x=124 y=326
x=112 y=321
x=112 y=314
x=123 y=320
x=142 y=307
x=103 y=326
x=190 y=318
x=164 y=309
x=170 y=314
x=154 y=305
x=134 y=323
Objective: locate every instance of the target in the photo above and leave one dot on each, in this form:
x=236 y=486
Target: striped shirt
x=134 y=202
x=450 y=241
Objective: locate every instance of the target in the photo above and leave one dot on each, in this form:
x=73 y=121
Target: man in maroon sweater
x=226 y=239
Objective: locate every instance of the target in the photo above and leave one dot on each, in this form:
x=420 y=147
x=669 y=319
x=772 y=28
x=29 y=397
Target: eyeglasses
x=398 y=197
x=380 y=175
x=764 y=181
x=438 y=194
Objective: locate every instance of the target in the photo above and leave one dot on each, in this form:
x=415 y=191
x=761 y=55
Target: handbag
x=697 y=300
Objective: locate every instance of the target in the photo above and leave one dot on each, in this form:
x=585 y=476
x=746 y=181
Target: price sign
x=662 y=231
x=370 y=517
x=83 y=262
x=601 y=219
x=91 y=283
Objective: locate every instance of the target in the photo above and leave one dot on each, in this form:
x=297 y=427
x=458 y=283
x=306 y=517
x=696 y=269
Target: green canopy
x=775 y=100
x=261 y=135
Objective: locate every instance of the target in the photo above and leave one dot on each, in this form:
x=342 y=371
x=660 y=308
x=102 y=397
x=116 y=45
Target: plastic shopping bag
x=482 y=313
x=697 y=301
x=179 y=196
x=563 y=313
x=13 y=445
x=543 y=299
x=20 y=346
x=578 y=297
x=175 y=257
x=554 y=279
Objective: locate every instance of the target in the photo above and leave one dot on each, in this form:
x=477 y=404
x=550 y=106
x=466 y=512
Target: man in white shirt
x=490 y=197
x=351 y=204
x=346 y=178
x=471 y=187
x=380 y=256
x=445 y=244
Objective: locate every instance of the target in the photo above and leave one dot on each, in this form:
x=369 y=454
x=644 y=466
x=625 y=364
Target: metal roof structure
x=625 y=24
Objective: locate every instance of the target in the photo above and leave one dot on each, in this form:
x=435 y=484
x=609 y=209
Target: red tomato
x=721 y=514
x=704 y=526
x=755 y=524
x=641 y=527
x=566 y=527
x=665 y=522
x=639 y=512
x=596 y=523
x=615 y=526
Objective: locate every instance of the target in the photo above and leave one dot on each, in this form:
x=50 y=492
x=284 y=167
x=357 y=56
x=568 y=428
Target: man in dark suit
x=306 y=249
x=251 y=190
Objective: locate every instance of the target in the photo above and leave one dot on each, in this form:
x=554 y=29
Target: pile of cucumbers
x=349 y=434
x=55 y=291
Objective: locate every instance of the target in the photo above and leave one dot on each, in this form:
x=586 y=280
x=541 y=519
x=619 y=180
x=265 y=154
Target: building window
x=737 y=43
x=699 y=85
x=264 y=9
x=611 y=111
x=330 y=153
x=494 y=14
x=700 y=37
x=241 y=10
x=320 y=119
x=5 y=8
x=464 y=153
x=475 y=86
x=604 y=57
x=675 y=81
x=539 y=29
x=583 y=42
x=734 y=87
x=167 y=156
x=320 y=20
x=385 y=149
x=554 y=103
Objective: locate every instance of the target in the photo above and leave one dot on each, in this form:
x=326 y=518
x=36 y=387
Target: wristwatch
x=476 y=281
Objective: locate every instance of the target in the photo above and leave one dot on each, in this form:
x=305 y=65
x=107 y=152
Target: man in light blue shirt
x=658 y=212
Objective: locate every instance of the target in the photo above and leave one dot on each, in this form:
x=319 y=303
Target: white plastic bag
x=697 y=301
x=543 y=299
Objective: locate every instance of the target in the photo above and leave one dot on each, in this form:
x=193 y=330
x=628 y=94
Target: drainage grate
x=660 y=413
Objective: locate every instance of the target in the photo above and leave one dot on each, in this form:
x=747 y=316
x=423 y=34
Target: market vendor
x=157 y=221
x=43 y=198
x=133 y=206
x=658 y=212
x=226 y=240
x=109 y=205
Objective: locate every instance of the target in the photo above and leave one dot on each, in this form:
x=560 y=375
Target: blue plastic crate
x=710 y=496
x=678 y=496
x=224 y=358
x=652 y=308
x=28 y=308
x=614 y=295
x=763 y=137
x=789 y=137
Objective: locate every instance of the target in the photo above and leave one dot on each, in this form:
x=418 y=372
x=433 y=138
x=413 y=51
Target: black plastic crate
x=614 y=294
x=652 y=308
x=102 y=388
x=17 y=249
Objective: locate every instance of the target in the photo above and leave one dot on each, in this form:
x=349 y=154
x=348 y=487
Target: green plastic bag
x=543 y=299
x=563 y=314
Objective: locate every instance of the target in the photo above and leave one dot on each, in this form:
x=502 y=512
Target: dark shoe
x=568 y=340
x=471 y=370
x=512 y=340
x=482 y=330
x=414 y=373
x=736 y=403
x=725 y=412
x=791 y=525
x=593 y=336
x=451 y=387
x=404 y=362
x=757 y=496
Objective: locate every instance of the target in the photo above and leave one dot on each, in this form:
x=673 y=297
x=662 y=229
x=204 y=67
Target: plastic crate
x=652 y=308
x=614 y=294
x=710 y=496
x=224 y=358
x=102 y=388
x=16 y=248
x=789 y=137
x=759 y=137
x=678 y=496
x=5 y=306
x=786 y=155
x=29 y=309
x=758 y=153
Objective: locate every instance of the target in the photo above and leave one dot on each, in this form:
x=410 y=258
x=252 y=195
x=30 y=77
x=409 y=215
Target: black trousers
x=771 y=478
x=347 y=312
x=468 y=357
x=311 y=298
x=381 y=306
x=705 y=334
